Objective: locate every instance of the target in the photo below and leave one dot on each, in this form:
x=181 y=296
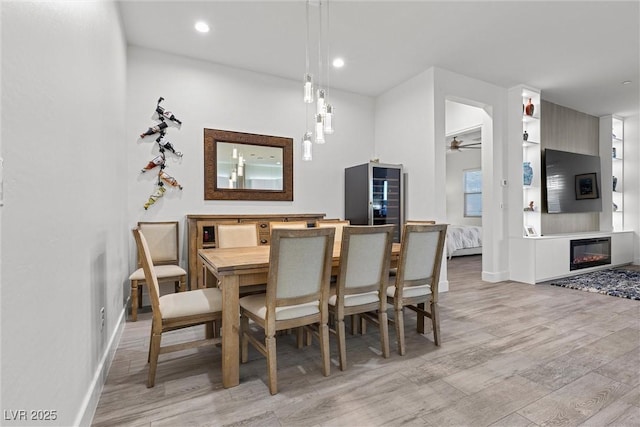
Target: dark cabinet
x=374 y=195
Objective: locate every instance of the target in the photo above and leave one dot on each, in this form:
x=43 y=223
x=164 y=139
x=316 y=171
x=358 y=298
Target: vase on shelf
x=528 y=109
x=525 y=136
x=615 y=182
x=613 y=152
x=527 y=173
x=615 y=207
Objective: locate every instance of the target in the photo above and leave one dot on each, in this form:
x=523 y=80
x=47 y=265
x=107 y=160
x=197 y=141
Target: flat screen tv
x=572 y=182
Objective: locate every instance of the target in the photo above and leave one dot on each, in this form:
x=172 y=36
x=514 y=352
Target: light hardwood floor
x=512 y=355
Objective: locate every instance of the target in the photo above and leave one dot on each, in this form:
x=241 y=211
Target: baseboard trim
x=92 y=397
x=499 y=276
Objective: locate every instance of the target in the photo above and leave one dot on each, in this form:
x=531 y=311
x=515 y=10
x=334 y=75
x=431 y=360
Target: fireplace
x=587 y=253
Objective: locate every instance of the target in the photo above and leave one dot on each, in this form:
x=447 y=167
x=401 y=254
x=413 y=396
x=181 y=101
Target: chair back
x=364 y=260
x=149 y=272
x=420 y=221
x=290 y=225
x=162 y=241
x=299 y=268
x=421 y=254
x=337 y=224
x=236 y=235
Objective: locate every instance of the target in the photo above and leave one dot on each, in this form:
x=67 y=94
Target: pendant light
x=307 y=147
x=323 y=117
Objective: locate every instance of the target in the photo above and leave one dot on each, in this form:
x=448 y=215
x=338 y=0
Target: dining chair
x=337 y=224
x=362 y=282
x=175 y=311
x=237 y=235
x=162 y=238
x=297 y=294
x=290 y=225
x=417 y=278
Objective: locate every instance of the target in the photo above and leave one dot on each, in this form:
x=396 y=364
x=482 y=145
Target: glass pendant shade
x=234 y=176
x=319 y=129
x=230 y=183
x=307 y=150
x=328 y=120
x=234 y=153
x=321 y=107
x=240 y=169
x=308 y=88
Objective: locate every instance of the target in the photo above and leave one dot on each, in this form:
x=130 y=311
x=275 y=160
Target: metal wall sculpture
x=160 y=161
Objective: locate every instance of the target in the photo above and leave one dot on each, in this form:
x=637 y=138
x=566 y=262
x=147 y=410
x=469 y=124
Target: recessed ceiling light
x=338 y=63
x=202 y=27
x=626 y=82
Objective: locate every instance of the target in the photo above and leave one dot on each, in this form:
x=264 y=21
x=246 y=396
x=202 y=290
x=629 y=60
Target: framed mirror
x=245 y=166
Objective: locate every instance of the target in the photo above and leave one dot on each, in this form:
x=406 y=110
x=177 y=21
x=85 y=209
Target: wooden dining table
x=235 y=268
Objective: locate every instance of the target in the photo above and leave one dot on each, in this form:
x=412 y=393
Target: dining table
x=234 y=268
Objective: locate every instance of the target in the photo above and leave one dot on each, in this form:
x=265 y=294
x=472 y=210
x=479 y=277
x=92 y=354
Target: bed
x=464 y=240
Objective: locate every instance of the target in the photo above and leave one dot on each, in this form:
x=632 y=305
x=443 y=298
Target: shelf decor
x=160 y=160
x=527 y=173
x=528 y=109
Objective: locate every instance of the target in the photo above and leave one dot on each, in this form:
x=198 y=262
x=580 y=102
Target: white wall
x=410 y=126
x=64 y=233
x=404 y=133
x=207 y=95
x=632 y=180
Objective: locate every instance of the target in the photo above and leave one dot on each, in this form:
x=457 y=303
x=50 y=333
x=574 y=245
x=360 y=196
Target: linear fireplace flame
x=587 y=253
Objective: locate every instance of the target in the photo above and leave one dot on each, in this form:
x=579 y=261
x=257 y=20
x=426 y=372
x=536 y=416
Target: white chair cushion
x=162 y=271
x=256 y=305
x=190 y=303
x=356 y=299
x=410 y=292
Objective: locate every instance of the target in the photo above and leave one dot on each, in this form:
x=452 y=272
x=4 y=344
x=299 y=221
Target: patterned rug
x=618 y=283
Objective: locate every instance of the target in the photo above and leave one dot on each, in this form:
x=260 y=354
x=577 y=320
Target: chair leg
x=383 y=324
x=323 y=330
x=134 y=300
x=244 y=330
x=154 y=352
x=355 y=328
x=435 y=320
x=420 y=318
x=400 y=330
x=363 y=325
x=272 y=366
x=140 y=289
x=342 y=345
x=300 y=336
x=150 y=343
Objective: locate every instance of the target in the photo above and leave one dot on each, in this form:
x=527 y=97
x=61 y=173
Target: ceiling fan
x=459 y=145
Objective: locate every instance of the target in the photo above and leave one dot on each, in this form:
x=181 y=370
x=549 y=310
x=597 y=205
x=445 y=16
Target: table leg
x=230 y=331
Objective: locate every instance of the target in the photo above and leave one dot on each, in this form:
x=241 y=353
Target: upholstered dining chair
x=237 y=235
x=362 y=282
x=162 y=238
x=337 y=224
x=297 y=294
x=175 y=311
x=417 y=278
x=290 y=225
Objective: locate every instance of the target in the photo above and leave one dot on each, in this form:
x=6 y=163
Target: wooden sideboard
x=202 y=234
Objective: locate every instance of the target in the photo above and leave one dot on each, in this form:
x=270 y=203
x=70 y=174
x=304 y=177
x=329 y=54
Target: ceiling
x=577 y=53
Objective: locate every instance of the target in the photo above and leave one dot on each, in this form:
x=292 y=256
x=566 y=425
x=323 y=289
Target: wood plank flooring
x=512 y=355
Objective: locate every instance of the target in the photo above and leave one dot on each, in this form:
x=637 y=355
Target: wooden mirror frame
x=211 y=190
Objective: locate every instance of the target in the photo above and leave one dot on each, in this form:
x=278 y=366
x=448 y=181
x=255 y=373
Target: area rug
x=614 y=282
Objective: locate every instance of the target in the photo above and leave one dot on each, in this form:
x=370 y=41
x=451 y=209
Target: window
x=472 y=185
